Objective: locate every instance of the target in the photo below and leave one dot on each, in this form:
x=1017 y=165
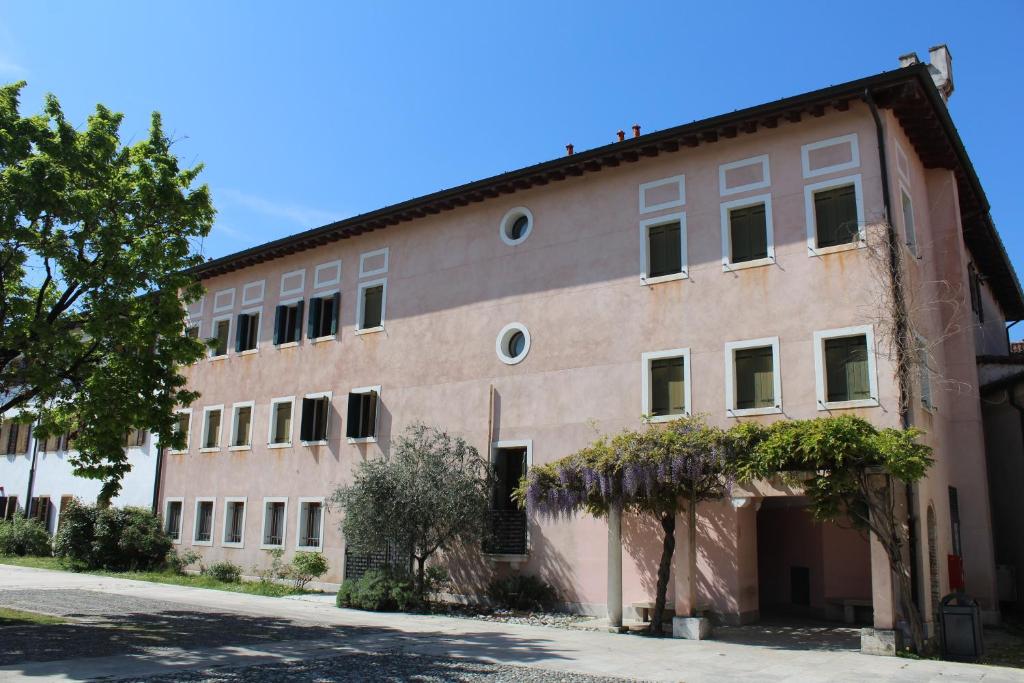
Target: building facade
x=730 y=267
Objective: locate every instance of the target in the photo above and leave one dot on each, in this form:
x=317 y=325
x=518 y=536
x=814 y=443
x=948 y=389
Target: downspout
x=31 y=473
x=902 y=367
x=157 y=478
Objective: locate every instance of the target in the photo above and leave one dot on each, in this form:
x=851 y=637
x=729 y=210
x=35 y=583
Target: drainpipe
x=901 y=332
x=157 y=478
x=31 y=473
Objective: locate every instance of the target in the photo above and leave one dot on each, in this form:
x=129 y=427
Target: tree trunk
x=668 y=547
x=421 y=577
x=910 y=611
x=691 y=555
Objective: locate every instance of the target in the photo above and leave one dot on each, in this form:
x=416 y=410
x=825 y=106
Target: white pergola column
x=615 y=568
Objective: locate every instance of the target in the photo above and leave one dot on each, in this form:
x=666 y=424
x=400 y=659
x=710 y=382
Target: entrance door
x=508 y=521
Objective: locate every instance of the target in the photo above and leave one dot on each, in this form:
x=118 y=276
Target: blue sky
x=304 y=112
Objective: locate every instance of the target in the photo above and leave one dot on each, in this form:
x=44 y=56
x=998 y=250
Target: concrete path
x=548 y=648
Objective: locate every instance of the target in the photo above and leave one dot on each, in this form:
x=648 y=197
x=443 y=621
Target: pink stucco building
x=735 y=267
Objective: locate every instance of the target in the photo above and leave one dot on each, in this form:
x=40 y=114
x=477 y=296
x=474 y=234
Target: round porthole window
x=516 y=225
x=513 y=343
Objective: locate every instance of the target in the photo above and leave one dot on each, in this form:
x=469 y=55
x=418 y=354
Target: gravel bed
x=550 y=619
x=386 y=666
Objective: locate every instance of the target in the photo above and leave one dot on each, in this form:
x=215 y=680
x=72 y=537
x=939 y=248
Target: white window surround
x=181 y=517
x=213 y=335
x=263 y=527
x=195 y=519
x=679 y=180
x=924 y=374
x=509 y=219
x=273 y=418
x=298 y=525
x=645 y=382
x=322 y=277
x=329 y=395
x=766 y=175
x=911 y=244
x=902 y=163
x=293 y=290
x=805 y=159
x=224 y=525
x=253 y=292
x=234 y=424
x=367 y=255
x=495 y=447
x=820 y=337
x=259 y=329
x=812 y=226
x=769 y=228
x=198 y=313
x=376 y=415
x=383 y=282
x=206 y=425
x=730 y=377
x=224 y=300
x=501 y=342
x=188 y=434
x=645 y=256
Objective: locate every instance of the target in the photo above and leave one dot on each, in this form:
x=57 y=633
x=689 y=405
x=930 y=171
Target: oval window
x=516 y=225
x=513 y=343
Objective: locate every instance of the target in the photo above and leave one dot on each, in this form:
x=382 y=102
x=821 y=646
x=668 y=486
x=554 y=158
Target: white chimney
x=940 y=65
x=909 y=59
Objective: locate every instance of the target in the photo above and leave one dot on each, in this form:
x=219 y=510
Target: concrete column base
x=691 y=628
x=877 y=641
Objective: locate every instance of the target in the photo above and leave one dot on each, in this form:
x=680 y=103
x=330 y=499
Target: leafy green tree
x=850 y=470
x=96 y=243
x=658 y=472
x=431 y=490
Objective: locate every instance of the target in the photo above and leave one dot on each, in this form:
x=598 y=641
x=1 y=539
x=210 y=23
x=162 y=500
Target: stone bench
x=845 y=606
x=644 y=610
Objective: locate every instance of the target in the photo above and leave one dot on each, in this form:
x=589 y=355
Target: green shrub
x=118 y=539
x=225 y=571
x=522 y=592
x=379 y=591
x=21 y=536
x=178 y=562
x=307 y=566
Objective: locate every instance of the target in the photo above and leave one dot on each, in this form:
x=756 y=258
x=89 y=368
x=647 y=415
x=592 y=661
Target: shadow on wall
x=642 y=538
x=716 y=558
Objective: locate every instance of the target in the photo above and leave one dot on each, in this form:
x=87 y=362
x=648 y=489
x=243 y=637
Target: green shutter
x=373 y=298
x=835 y=216
x=748 y=233
x=664 y=245
x=755 y=378
x=846 y=369
x=668 y=387
x=335 y=312
x=315 y=309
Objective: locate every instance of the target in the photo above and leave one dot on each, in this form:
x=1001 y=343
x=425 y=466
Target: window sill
x=654 y=419
x=322 y=442
x=240 y=448
x=756 y=263
x=249 y=352
x=746 y=412
x=209 y=450
x=317 y=340
x=310 y=548
x=177 y=452
x=842 y=405
x=362 y=439
x=824 y=251
x=683 y=275
x=288 y=345
x=280 y=445
x=232 y=545
x=503 y=557
x=370 y=330
x=213 y=358
x=913 y=251
x=208 y=544
x=268 y=546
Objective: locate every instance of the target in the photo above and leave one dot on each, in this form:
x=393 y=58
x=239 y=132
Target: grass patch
x=273 y=590
x=17 y=617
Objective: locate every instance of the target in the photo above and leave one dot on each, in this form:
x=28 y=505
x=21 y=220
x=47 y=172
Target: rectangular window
x=14 y=437
x=909 y=230
x=748 y=234
x=136 y=438
x=371 y=306
x=664 y=383
x=182 y=426
x=924 y=376
x=52 y=443
x=221 y=333
x=974 y=284
x=362 y=414
x=172 y=520
x=204 y=522
x=192 y=331
x=241 y=427
x=664 y=249
x=323 y=316
x=288 y=323
x=310 y=519
x=847 y=377
x=41 y=511
x=211 y=428
x=835 y=216
x=507 y=521
x=281 y=423
x=9 y=507
x=316 y=411
x=273 y=523
x=954 y=521
x=247 y=332
x=234 y=522
x=755 y=378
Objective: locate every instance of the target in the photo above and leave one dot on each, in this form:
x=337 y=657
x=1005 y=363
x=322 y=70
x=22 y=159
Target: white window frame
x=769 y=228
x=298 y=524
x=645 y=256
x=213 y=335
x=327 y=428
x=924 y=374
x=295 y=290
x=367 y=255
x=198 y=314
x=679 y=180
x=252 y=300
x=263 y=527
x=509 y=219
x=181 y=518
x=376 y=414
x=222 y=307
x=235 y=407
x=319 y=283
x=259 y=329
x=730 y=377
x=195 y=519
x=805 y=156
x=206 y=425
x=383 y=306
x=503 y=338
x=188 y=435
x=821 y=376
x=912 y=246
x=766 y=175
x=645 y=383
x=901 y=156
x=224 y=524
x=812 y=221
x=273 y=418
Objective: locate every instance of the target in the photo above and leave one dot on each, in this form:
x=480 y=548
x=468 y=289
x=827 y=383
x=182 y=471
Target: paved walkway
x=444 y=637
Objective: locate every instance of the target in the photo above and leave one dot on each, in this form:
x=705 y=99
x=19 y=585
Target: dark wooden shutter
x=280 y=316
x=323 y=411
x=755 y=380
x=335 y=312
x=663 y=249
x=241 y=332
x=667 y=386
x=313 y=324
x=297 y=329
x=355 y=405
x=373 y=298
x=748 y=231
x=370 y=414
x=835 y=216
x=306 y=426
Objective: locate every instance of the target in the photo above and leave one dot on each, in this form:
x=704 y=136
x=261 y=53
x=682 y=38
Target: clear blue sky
x=305 y=112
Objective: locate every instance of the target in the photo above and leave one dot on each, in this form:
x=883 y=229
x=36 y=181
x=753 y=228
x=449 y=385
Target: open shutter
x=313 y=326
x=306 y=426
x=335 y=312
x=370 y=414
x=297 y=329
x=764 y=379
x=279 y=319
x=241 y=331
x=355 y=404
